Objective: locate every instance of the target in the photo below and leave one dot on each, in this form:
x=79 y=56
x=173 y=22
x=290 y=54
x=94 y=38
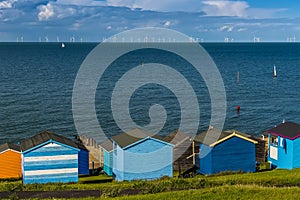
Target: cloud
x=94 y=19
x=226 y=28
x=226 y=8
x=5 y=4
x=46 y=12
x=260 y=13
x=241 y=29
x=157 y=5
x=81 y=2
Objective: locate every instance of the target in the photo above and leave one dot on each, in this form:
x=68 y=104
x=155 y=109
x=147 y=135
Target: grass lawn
x=266 y=185
x=225 y=192
x=235 y=192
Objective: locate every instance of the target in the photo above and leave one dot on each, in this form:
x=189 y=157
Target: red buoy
x=238 y=108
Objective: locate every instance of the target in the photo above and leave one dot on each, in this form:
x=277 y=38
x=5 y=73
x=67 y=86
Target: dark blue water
x=37 y=82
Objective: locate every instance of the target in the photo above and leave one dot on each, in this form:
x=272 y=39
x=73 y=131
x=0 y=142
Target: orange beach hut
x=10 y=161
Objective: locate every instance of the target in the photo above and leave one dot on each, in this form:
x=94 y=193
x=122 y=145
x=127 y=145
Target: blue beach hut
x=139 y=155
x=83 y=160
x=284 y=145
x=225 y=151
x=106 y=152
x=47 y=157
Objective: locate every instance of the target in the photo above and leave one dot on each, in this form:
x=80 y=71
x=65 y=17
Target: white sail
x=62 y=45
x=274 y=73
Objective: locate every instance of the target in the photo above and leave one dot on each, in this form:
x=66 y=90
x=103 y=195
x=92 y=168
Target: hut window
x=274 y=141
x=281 y=142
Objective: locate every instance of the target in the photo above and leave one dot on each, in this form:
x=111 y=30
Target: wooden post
x=193 y=146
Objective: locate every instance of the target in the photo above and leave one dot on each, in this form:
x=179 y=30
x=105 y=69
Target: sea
x=37 y=82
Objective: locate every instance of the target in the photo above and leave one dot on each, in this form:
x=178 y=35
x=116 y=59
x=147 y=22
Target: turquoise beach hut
x=284 y=145
x=106 y=151
x=47 y=157
x=226 y=151
x=138 y=155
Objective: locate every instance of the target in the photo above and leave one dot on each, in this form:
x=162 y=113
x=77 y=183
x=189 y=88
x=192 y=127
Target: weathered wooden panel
x=185 y=156
x=260 y=150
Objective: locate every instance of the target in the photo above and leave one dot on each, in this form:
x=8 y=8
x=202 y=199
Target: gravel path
x=51 y=194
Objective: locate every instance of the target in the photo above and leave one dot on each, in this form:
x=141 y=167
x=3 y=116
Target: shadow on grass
x=97 y=181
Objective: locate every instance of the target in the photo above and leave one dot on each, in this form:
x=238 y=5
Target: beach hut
x=226 y=151
x=284 y=145
x=47 y=157
x=184 y=151
x=83 y=160
x=10 y=161
x=138 y=154
x=106 y=152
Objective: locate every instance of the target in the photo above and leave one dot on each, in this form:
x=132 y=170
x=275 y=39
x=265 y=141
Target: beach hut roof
x=288 y=130
x=213 y=136
x=176 y=138
x=43 y=137
x=81 y=146
x=107 y=145
x=7 y=146
x=133 y=136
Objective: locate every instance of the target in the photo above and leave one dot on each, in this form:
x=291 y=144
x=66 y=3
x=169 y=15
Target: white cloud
x=81 y=2
x=6 y=4
x=109 y=27
x=241 y=29
x=64 y=12
x=46 y=11
x=226 y=28
x=158 y=5
x=226 y=8
x=260 y=13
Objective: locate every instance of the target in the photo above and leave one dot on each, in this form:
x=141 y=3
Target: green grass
x=236 y=192
x=225 y=192
x=268 y=182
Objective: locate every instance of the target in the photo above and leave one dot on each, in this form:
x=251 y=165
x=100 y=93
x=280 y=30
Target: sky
x=94 y=20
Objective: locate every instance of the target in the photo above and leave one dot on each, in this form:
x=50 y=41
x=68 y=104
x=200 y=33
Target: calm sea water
x=37 y=82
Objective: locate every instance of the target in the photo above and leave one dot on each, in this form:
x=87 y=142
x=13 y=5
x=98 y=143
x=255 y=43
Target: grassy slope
x=263 y=184
x=225 y=192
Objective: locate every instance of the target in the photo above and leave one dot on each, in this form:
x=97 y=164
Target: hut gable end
x=10 y=161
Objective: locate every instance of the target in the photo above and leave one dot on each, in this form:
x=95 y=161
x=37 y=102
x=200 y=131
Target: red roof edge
x=283 y=136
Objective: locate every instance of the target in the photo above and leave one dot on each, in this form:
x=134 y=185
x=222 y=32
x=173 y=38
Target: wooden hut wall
x=50 y=162
x=83 y=162
x=260 y=149
x=147 y=159
x=296 y=152
x=10 y=164
x=233 y=154
x=184 y=154
x=108 y=162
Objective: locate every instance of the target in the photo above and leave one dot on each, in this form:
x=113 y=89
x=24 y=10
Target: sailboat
x=274 y=72
x=62 y=45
